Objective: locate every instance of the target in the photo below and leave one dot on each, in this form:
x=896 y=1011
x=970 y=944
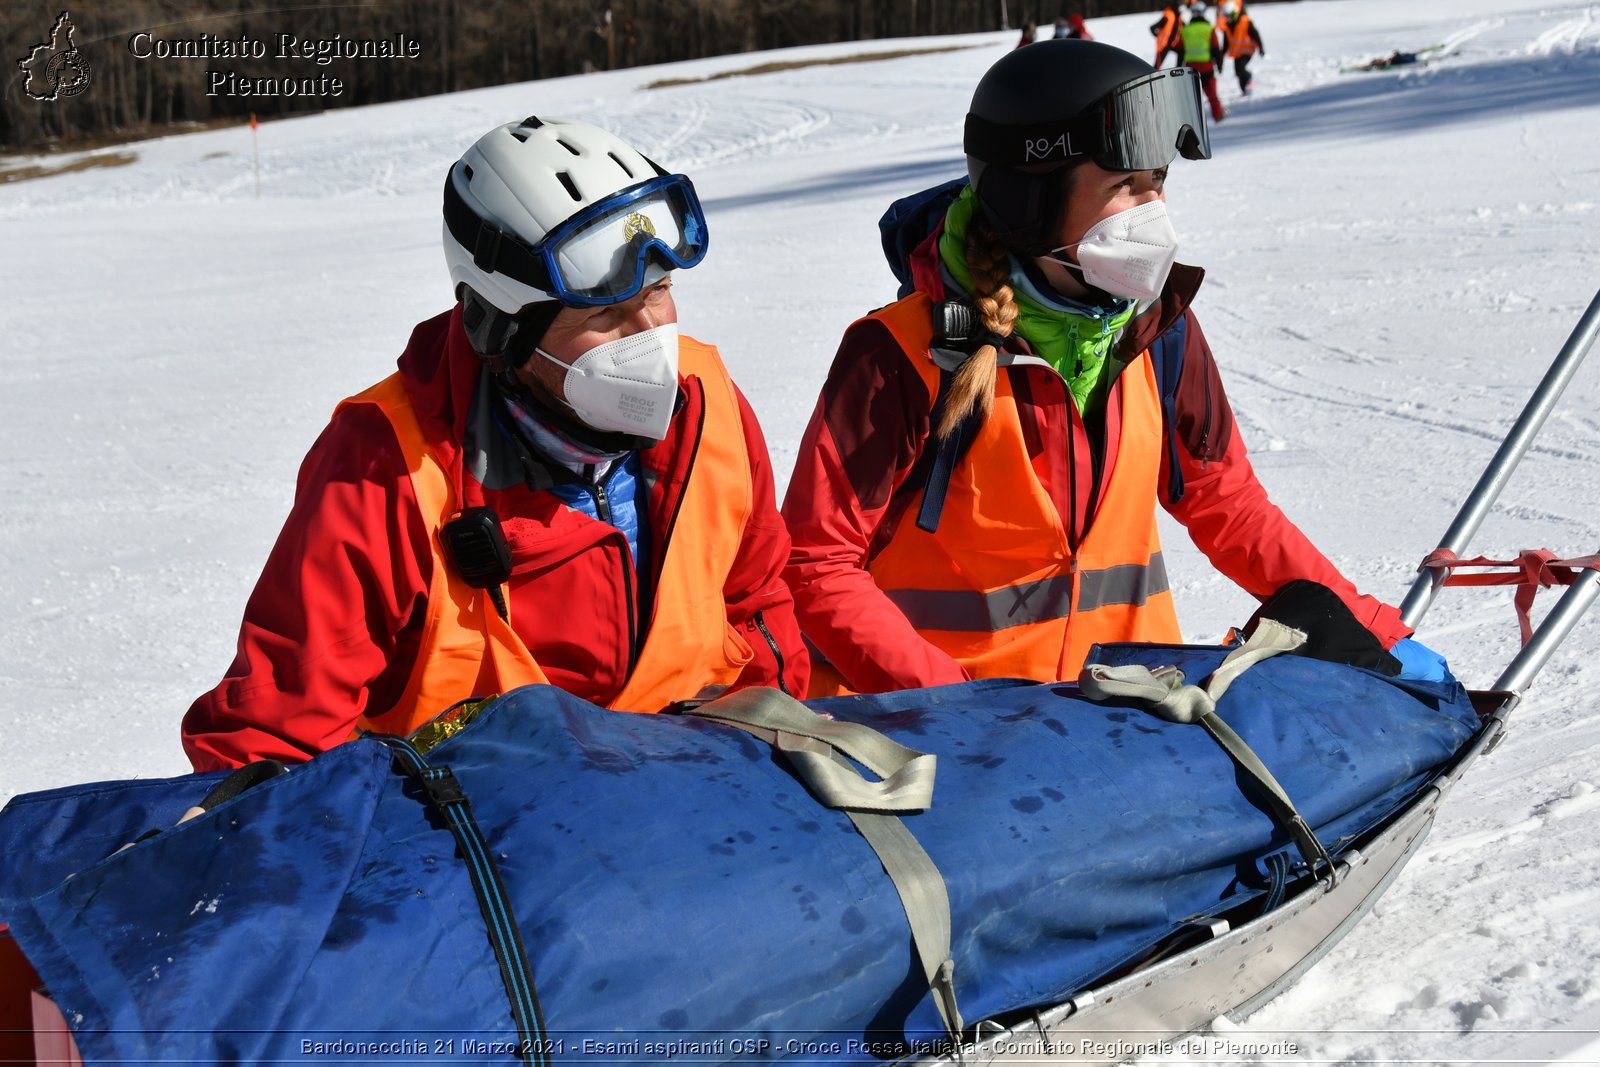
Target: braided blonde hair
x=973 y=386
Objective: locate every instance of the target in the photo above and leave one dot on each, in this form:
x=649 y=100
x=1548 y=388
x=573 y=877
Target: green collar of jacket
x=1077 y=345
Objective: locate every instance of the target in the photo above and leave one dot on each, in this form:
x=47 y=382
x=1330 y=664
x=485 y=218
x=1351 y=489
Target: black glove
x=1332 y=633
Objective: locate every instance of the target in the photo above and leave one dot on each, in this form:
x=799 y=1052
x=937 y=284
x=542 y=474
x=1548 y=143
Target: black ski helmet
x=1045 y=108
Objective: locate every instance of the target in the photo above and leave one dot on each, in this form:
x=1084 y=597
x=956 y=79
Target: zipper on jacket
x=1097 y=459
x=602 y=507
x=1205 y=429
x=688 y=472
x=772 y=643
x=1073 y=419
x=1102 y=349
x=1069 y=519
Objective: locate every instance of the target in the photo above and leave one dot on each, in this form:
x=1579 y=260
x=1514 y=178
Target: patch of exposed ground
x=28 y=171
x=800 y=64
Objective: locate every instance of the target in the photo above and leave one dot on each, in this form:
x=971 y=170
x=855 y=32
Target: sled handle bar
x=1519 y=674
x=1494 y=478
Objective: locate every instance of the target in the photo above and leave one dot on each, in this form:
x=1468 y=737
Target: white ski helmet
x=521 y=181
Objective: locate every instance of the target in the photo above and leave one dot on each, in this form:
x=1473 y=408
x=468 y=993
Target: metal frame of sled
x=1227 y=973
x=1222 y=969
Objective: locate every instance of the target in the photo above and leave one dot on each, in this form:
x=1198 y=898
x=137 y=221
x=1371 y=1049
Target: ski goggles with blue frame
x=601 y=255
x=1139 y=125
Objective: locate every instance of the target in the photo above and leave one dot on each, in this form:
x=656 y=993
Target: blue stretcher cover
x=680 y=894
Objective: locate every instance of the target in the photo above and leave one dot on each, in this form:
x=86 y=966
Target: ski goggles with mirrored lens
x=1139 y=125
x=601 y=255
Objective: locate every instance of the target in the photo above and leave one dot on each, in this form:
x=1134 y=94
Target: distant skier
x=553 y=487
x=1168 y=32
x=976 y=493
x=1244 y=41
x=1397 y=58
x=1077 y=29
x=1028 y=31
x=1203 y=51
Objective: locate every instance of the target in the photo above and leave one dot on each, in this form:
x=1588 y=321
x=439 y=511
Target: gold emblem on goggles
x=635 y=224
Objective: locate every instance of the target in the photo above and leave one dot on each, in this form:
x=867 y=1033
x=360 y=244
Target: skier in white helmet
x=554 y=486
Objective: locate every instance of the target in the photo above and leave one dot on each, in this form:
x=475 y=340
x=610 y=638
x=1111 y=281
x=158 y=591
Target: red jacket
x=862 y=462
x=331 y=631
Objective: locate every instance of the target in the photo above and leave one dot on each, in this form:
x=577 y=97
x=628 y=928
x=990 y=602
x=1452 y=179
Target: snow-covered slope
x=1392 y=259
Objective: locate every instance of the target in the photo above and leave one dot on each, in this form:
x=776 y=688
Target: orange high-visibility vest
x=1240 y=42
x=468 y=650
x=1167 y=35
x=998 y=586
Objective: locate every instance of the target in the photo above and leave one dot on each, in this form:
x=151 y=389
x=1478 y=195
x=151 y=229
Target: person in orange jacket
x=1167 y=32
x=554 y=486
x=975 y=495
x=1244 y=41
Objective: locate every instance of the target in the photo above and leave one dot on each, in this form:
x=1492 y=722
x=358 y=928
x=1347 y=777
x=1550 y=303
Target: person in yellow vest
x=555 y=486
x=1167 y=30
x=1244 y=41
x=1203 y=52
x=975 y=495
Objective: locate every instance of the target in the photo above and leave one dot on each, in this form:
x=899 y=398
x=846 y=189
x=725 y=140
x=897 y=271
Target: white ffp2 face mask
x=629 y=385
x=1127 y=254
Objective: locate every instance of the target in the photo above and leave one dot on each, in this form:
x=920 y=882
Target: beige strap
x=1163 y=693
x=816 y=747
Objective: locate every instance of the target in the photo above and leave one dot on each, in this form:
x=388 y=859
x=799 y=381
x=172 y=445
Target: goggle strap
x=1015 y=145
x=493 y=250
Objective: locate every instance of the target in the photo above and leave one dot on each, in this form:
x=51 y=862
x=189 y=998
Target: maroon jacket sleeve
x=1227 y=511
x=325 y=633
x=862 y=442
x=759 y=603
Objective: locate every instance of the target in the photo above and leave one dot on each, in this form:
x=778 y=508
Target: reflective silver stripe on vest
x=970 y=610
x=1130 y=583
x=1017 y=605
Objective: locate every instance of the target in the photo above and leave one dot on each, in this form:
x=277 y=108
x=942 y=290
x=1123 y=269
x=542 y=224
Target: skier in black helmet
x=975 y=495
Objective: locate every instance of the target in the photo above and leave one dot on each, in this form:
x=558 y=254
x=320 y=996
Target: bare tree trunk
x=538 y=39
x=464 y=45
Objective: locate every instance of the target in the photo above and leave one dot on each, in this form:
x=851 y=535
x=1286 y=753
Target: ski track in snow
x=1390 y=410
x=1392 y=258
x=1580 y=799
x=1569 y=36
x=1454 y=42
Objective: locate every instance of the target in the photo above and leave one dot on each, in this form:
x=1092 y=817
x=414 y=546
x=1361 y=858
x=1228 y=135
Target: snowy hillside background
x=1393 y=259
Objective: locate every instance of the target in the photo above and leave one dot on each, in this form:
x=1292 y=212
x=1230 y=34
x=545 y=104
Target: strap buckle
x=442 y=786
x=486 y=249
